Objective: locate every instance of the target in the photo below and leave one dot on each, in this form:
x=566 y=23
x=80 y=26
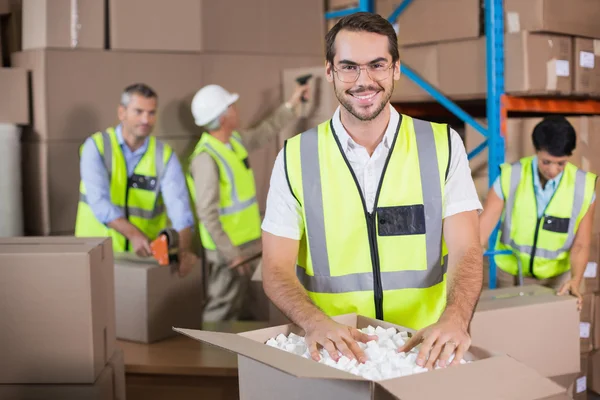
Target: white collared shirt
x=283 y=215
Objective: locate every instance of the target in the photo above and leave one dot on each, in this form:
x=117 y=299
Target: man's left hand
x=572 y=287
x=438 y=342
x=187 y=261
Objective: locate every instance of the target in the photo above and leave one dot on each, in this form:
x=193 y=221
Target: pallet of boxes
x=58 y=314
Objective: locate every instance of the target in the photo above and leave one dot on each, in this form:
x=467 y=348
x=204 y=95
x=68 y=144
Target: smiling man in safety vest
x=131 y=182
x=373 y=212
x=547 y=208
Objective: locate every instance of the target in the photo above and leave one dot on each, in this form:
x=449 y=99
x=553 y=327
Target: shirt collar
x=347 y=142
x=552 y=183
x=121 y=141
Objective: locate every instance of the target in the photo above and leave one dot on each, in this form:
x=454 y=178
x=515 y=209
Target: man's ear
x=329 y=71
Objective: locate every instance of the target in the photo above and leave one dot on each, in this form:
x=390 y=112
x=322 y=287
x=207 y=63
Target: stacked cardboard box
x=60 y=318
x=150 y=299
x=191 y=44
x=549 y=46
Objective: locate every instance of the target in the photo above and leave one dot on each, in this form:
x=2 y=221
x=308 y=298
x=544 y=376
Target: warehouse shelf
x=495 y=107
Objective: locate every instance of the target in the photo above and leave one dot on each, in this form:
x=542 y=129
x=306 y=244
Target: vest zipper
x=378 y=287
x=372 y=221
x=534 y=247
x=127 y=244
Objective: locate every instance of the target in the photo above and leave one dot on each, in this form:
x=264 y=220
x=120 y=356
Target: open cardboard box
x=267 y=372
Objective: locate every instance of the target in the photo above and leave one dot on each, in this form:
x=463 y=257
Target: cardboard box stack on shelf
x=175 y=47
x=60 y=315
x=550 y=46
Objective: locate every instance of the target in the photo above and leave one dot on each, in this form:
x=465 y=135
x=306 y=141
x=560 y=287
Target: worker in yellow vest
x=373 y=212
x=131 y=182
x=546 y=205
x=221 y=184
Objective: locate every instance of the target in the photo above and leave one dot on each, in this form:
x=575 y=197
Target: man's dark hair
x=362 y=22
x=140 y=89
x=555 y=135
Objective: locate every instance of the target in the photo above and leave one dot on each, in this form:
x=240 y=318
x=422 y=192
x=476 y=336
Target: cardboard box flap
x=279 y=359
x=518 y=297
x=499 y=377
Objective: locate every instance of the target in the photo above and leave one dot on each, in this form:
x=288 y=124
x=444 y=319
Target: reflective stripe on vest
x=237 y=204
x=322 y=281
x=134 y=211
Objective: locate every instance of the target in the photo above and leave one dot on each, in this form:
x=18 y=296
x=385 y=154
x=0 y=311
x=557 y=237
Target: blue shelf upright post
x=494 y=31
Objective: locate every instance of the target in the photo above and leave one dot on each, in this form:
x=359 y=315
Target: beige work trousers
x=229 y=295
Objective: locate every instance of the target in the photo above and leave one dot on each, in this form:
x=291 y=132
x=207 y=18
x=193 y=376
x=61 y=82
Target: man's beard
x=342 y=98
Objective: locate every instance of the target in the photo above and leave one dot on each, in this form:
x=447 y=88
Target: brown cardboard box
x=576 y=387
x=60 y=307
x=50 y=187
x=266 y=372
x=150 y=299
x=524 y=322
x=462 y=70
x=253 y=26
x=538 y=63
x=591 y=276
x=14 y=102
x=340 y=4
x=586 y=324
x=110 y=385
x=63 y=24
x=429 y=21
x=569 y=17
x=586 y=66
x=424 y=60
x=67 y=105
x=596 y=330
x=593 y=377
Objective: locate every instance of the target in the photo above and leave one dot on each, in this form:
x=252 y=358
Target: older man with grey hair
x=131 y=182
x=221 y=182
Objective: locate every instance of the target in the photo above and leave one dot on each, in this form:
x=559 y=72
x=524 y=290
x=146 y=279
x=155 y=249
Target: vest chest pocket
x=554 y=224
x=143 y=182
x=401 y=220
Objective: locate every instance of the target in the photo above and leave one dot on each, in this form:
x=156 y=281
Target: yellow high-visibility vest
x=390 y=263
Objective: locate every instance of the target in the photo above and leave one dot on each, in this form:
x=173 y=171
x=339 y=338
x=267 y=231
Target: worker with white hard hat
x=221 y=184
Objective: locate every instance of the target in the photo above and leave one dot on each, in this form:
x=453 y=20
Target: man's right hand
x=334 y=337
x=243 y=268
x=140 y=244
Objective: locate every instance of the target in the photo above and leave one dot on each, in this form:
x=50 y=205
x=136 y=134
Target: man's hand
x=439 y=341
x=140 y=244
x=335 y=337
x=573 y=287
x=299 y=93
x=242 y=268
x=187 y=261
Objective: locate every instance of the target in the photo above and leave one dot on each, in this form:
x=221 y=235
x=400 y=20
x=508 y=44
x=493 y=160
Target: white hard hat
x=210 y=102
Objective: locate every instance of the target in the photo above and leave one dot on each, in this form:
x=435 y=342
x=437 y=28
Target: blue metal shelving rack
x=494 y=30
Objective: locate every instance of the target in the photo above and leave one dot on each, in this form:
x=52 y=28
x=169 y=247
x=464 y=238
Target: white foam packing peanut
x=384 y=361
